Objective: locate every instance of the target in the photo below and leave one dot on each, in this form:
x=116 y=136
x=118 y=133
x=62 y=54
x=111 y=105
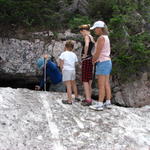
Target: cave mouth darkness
x=29 y=82
x=18 y=81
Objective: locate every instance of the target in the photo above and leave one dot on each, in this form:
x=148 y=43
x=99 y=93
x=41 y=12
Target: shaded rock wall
x=134 y=93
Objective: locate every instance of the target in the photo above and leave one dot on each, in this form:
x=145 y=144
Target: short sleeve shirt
x=69 y=58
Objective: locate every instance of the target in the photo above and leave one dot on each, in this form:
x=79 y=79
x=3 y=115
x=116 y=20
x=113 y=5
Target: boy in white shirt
x=67 y=61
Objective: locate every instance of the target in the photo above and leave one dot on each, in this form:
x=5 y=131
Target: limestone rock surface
x=31 y=120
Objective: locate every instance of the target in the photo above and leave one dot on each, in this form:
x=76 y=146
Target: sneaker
x=97 y=107
x=67 y=102
x=107 y=105
x=77 y=99
x=86 y=102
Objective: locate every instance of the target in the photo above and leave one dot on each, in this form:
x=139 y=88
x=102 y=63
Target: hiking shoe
x=97 y=107
x=77 y=99
x=67 y=102
x=86 y=102
x=107 y=105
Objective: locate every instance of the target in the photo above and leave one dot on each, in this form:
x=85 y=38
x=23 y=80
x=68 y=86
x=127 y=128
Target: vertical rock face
x=136 y=93
x=18 y=57
x=38 y=120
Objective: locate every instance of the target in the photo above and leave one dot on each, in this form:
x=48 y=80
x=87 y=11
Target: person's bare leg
x=69 y=90
x=101 y=93
x=90 y=88
x=107 y=104
x=101 y=86
x=107 y=88
x=87 y=90
x=74 y=86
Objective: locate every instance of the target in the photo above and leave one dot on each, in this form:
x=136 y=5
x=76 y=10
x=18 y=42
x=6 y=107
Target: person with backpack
x=87 y=66
x=50 y=71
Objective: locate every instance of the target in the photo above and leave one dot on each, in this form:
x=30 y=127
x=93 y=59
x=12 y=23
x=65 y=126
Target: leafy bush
x=78 y=20
x=130 y=52
x=101 y=9
x=27 y=12
x=129 y=44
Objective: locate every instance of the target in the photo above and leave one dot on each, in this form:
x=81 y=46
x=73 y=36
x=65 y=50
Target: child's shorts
x=68 y=75
x=103 y=68
x=87 y=70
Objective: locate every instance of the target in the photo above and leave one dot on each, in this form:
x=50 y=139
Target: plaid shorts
x=87 y=69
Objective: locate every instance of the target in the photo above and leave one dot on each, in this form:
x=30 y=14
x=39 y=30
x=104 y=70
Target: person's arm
x=99 y=46
x=61 y=63
x=87 y=41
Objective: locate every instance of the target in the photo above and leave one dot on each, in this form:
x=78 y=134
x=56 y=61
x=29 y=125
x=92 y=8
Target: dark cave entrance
x=18 y=81
x=28 y=82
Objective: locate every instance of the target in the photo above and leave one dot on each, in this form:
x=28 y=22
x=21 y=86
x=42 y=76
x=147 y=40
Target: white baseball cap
x=98 y=24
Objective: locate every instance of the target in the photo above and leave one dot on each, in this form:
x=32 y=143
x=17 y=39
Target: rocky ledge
x=31 y=120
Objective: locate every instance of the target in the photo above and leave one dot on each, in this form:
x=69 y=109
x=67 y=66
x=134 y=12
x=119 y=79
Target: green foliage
x=129 y=44
x=78 y=20
x=27 y=12
x=101 y=9
x=130 y=53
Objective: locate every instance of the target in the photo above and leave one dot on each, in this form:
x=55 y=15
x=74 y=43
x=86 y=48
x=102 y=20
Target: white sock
x=100 y=103
x=108 y=101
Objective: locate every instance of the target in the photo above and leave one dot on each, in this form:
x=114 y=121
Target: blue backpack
x=53 y=72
